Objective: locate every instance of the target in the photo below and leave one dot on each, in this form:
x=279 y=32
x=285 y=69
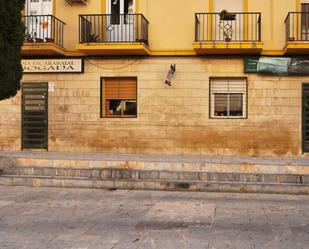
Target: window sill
x=119 y=117
x=243 y=117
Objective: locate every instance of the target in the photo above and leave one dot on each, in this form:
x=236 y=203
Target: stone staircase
x=216 y=174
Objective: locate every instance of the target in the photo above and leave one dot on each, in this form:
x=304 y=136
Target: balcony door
x=232 y=29
x=39 y=7
x=38 y=26
x=305 y=21
x=121 y=20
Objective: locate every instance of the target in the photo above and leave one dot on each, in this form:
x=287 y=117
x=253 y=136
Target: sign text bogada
x=52 y=66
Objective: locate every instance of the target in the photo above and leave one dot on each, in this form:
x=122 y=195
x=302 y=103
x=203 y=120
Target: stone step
x=158 y=162
x=265 y=165
x=168 y=185
x=191 y=173
x=129 y=174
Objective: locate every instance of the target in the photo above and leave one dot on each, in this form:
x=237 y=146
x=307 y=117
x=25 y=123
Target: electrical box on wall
x=76 y=1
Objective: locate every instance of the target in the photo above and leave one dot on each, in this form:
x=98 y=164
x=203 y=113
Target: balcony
x=43 y=35
x=231 y=33
x=297 y=33
x=104 y=34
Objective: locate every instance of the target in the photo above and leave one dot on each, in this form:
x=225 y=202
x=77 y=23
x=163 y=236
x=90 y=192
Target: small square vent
x=77 y=2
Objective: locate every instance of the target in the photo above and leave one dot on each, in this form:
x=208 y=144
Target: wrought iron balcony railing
x=297 y=26
x=104 y=28
x=239 y=27
x=43 y=28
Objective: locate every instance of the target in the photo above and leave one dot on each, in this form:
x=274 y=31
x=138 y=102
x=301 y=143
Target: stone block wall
x=171 y=119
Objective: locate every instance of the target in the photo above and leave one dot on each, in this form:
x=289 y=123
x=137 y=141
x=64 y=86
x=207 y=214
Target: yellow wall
x=171 y=25
x=69 y=15
x=171 y=22
x=274 y=13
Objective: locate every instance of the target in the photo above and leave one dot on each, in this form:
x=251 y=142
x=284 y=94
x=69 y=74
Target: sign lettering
x=52 y=66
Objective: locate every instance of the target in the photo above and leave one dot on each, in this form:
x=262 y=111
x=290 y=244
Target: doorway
x=232 y=29
x=34 y=116
x=121 y=23
x=39 y=7
x=305 y=21
x=39 y=19
x=305 y=118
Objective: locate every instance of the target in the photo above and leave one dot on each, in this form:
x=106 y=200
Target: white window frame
x=227 y=88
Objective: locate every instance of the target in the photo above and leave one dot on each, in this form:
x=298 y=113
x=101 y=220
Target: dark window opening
x=121 y=108
x=119 y=97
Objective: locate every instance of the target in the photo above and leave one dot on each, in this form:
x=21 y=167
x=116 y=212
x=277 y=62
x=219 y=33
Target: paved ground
x=41 y=218
x=157 y=158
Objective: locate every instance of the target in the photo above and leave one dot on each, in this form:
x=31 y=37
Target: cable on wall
x=112 y=69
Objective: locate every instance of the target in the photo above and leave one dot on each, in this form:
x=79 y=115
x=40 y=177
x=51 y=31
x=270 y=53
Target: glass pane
x=236 y=104
x=128 y=7
x=221 y=101
x=114 y=107
x=304 y=21
x=130 y=107
x=115 y=11
x=121 y=107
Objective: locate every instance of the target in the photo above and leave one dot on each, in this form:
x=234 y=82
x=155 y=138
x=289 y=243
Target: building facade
x=162 y=77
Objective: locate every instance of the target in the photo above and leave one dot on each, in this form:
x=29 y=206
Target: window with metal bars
x=119 y=97
x=228 y=98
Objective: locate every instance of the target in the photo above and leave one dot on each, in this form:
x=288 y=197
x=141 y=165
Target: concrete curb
x=6 y=163
x=157 y=175
x=200 y=186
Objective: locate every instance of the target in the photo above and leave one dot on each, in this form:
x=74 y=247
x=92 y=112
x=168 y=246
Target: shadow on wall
x=263 y=139
x=173 y=128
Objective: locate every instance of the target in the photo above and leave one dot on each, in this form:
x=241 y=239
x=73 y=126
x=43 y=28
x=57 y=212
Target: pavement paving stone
x=36 y=218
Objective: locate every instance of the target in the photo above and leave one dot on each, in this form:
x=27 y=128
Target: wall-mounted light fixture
x=170 y=75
